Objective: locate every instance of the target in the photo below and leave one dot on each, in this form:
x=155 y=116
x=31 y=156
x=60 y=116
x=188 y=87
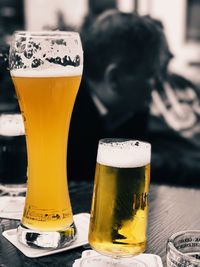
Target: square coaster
x=82 y=224
x=147 y=260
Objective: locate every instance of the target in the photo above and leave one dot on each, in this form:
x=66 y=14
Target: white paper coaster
x=147 y=260
x=11 y=207
x=82 y=223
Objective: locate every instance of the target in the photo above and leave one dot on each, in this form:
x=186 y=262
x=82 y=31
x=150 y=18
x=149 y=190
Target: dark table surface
x=171 y=209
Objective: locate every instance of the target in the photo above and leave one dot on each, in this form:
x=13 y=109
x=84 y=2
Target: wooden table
x=171 y=209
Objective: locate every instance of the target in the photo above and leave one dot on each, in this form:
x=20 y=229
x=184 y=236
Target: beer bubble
x=36 y=63
x=28 y=54
x=123 y=153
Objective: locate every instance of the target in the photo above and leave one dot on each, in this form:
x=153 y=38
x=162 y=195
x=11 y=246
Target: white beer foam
x=49 y=72
x=124 y=154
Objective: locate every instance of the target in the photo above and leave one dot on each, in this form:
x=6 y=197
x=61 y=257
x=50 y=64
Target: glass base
x=42 y=239
x=103 y=261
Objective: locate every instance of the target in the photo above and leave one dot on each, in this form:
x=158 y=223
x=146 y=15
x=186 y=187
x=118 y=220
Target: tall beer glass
x=46 y=69
x=119 y=207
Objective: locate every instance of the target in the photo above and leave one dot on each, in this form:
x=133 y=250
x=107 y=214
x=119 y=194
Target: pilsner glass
x=119 y=206
x=46 y=69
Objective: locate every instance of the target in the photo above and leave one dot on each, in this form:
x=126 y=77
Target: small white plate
x=149 y=260
x=82 y=224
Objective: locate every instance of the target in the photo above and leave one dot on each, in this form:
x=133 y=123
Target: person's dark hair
x=97 y=7
x=127 y=39
x=165 y=54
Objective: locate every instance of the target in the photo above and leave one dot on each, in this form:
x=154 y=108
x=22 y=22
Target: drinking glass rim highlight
x=42 y=34
x=110 y=140
x=170 y=245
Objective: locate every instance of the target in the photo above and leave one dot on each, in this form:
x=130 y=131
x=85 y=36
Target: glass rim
x=51 y=34
x=170 y=244
x=121 y=139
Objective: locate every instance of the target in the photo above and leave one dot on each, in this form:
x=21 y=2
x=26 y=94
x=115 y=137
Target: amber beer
x=46 y=102
x=119 y=208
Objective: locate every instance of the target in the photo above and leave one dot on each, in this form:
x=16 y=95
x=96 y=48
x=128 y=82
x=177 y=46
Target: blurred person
x=96 y=8
x=174 y=125
x=121 y=57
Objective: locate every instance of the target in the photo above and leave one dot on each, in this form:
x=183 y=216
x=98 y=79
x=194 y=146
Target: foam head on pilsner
x=123 y=153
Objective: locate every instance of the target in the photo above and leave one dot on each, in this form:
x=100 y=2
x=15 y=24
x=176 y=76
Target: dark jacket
x=175 y=132
x=87 y=127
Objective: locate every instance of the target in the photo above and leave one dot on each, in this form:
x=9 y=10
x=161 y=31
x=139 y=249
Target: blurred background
x=180 y=19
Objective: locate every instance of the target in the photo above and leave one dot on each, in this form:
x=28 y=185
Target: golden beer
x=119 y=208
x=46 y=104
x=46 y=68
